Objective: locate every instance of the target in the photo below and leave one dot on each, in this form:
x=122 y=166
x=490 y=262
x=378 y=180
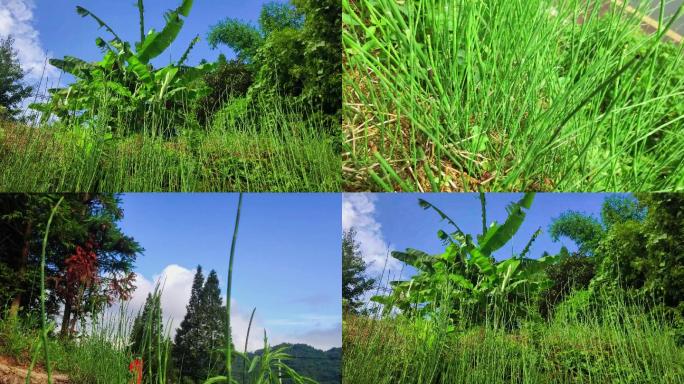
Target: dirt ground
x=10 y=373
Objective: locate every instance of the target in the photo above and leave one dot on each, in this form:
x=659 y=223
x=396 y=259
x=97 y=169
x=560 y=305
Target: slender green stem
x=43 y=315
x=229 y=338
x=244 y=364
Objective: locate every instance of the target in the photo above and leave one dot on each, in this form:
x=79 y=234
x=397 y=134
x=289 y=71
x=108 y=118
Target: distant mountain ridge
x=322 y=366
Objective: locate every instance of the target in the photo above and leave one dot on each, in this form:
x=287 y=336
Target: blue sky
x=396 y=221
x=52 y=28
x=64 y=32
x=287 y=261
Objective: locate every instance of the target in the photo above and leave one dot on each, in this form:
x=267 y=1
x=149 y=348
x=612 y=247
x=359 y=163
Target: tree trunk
x=21 y=268
x=65 y=331
x=66 y=319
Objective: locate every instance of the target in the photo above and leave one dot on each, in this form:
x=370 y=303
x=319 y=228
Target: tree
x=89 y=260
x=93 y=258
x=664 y=232
x=617 y=209
x=245 y=38
x=648 y=256
x=229 y=79
x=354 y=281
x=186 y=342
x=465 y=282
x=20 y=217
x=201 y=335
x=322 y=46
x=124 y=86
x=569 y=272
x=212 y=327
x=148 y=340
x=587 y=231
x=295 y=51
x=12 y=91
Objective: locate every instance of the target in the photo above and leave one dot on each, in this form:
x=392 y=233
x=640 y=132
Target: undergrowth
x=274 y=150
x=614 y=342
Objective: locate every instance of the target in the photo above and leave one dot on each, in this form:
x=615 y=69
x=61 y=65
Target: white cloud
x=358 y=211
x=16 y=19
x=176 y=284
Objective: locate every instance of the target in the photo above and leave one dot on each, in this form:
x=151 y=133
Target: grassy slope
x=517 y=95
x=279 y=153
x=624 y=345
x=95 y=360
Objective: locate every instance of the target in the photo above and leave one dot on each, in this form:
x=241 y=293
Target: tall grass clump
x=452 y=95
x=269 y=147
x=607 y=340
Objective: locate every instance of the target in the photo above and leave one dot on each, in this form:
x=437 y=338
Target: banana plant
x=465 y=279
x=124 y=85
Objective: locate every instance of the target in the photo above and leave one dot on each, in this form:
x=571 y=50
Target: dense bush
x=322 y=46
x=568 y=273
x=295 y=51
x=229 y=79
x=647 y=256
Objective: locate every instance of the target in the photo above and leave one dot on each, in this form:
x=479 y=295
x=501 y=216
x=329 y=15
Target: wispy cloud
x=358 y=212
x=16 y=19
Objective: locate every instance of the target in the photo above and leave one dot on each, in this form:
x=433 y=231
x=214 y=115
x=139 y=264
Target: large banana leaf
x=416 y=258
x=157 y=42
x=506 y=269
x=427 y=205
x=165 y=76
x=72 y=65
x=498 y=235
x=85 y=13
x=185 y=54
x=141 y=70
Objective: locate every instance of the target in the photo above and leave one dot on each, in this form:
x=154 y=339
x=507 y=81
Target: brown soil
x=12 y=373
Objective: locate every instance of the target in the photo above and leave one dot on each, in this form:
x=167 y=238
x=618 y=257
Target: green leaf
x=85 y=13
x=415 y=258
x=461 y=281
x=156 y=43
x=72 y=65
x=498 y=235
x=427 y=205
x=140 y=69
x=482 y=261
x=508 y=267
x=166 y=75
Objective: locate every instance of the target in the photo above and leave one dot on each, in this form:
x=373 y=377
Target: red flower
x=136 y=367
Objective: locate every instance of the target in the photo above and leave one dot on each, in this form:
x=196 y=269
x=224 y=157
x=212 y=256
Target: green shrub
x=229 y=80
x=568 y=273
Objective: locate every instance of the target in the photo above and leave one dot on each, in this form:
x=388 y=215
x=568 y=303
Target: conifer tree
x=12 y=89
x=213 y=325
x=354 y=281
x=148 y=341
x=188 y=336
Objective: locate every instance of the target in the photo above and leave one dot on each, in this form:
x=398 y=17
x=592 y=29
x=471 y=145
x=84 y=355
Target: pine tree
x=354 y=281
x=213 y=326
x=12 y=91
x=148 y=341
x=188 y=336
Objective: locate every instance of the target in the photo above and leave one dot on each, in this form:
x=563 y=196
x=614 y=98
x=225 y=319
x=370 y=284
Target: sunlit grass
x=277 y=150
x=509 y=95
x=618 y=343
